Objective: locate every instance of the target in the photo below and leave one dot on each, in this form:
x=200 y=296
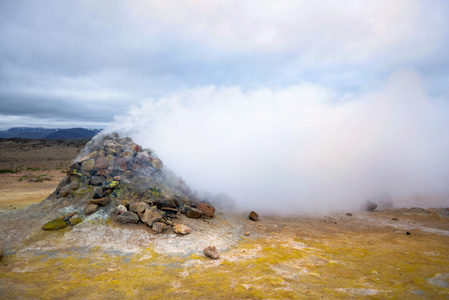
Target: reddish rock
x=138 y=207
x=102 y=201
x=120 y=164
x=91 y=208
x=211 y=252
x=182 y=229
x=193 y=213
x=117 y=178
x=104 y=172
x=208 y=210
x=159 y=227
x=101 y=163
x=129 y=173
x=253 y=216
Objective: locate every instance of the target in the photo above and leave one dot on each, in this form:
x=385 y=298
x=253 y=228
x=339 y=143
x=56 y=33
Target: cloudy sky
x=79 y=63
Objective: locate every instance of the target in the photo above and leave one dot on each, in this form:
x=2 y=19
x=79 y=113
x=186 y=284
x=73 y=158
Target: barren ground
x=363 y=255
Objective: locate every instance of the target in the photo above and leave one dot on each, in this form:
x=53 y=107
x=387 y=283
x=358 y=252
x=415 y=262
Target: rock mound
x=115 y=177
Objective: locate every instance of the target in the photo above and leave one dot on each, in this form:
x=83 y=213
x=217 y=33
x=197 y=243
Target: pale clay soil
x=338 y=256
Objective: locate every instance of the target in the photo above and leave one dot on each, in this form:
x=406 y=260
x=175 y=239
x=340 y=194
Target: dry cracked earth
x=396 y=253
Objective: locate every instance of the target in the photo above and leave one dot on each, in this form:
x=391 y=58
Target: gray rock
x=211 y=252
x=128 y=217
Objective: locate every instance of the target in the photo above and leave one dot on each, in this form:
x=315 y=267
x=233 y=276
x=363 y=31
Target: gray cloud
x=90 y=60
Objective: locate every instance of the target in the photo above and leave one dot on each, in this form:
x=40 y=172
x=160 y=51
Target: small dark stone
x=98 y=194
x=408 y=233
x=253 y=216
x=349 y=214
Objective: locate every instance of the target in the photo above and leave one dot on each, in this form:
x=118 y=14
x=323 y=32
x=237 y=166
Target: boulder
x=253 y=216
x=193 y=213
x=182 y=229
x=65 y=190
x=91 y=208
x=120 y=164
x=74 y=185
x=369 y=206
x=211 y=252
x=150 y=216
x=102 y=201
x=55 y=224
x=97 y=180
x=128 y=217
x=159 y=227
x=207 y=210
x=88 y=165
x=138 y=207
x=101 y=163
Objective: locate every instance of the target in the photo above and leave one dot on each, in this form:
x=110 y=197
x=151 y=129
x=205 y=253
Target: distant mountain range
x=48 y=133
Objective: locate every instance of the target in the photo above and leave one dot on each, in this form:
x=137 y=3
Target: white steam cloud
x=302 y=147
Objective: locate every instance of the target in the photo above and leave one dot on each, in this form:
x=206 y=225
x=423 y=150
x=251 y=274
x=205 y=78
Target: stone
x=104 y=172
x=253 y=216
x=193 y=213
x=55 y=224
x=156 y=163
x=88 y=165
x=150 y=216
x=121 y=209
x=247 y=233
x=207 y=210
x=76 y=219
x=74 y=185
x=120 y=164
x=138 y=207
x=1 y=251
x=101 y=163
x=98 y=194
x=211 y=252
x=110 y=184
x=129 y=173
x=65 y=190
x=117 y=178
x=370 y=206
x=102 y=201
x=128 y=154
x=182 y=229
x=91 y=208
x=159 y=227
x=97 y=180
x=128 y=217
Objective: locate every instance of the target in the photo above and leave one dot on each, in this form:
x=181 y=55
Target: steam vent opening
x=115 y=178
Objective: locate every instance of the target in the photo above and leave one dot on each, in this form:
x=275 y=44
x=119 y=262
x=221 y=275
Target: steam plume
x=301 y=147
